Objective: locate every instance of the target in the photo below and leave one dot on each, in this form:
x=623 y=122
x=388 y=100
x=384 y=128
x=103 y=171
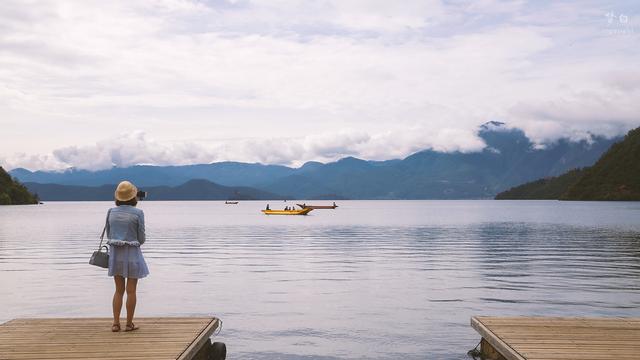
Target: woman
x=125 y=231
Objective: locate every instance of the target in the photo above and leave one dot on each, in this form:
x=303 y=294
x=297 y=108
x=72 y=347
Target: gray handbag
x=101 y=258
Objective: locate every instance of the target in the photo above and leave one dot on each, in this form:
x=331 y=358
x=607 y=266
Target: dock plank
x=91 y=338
x=555 y=338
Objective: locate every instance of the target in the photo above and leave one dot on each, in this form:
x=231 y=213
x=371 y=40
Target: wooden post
x=204 y=352
x=488 y=352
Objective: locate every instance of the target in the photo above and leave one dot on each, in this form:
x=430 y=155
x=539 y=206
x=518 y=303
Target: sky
x=95 y=84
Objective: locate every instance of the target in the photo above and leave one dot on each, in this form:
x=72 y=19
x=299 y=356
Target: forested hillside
x=615 y=176
x=551 y=188
x=14 y=193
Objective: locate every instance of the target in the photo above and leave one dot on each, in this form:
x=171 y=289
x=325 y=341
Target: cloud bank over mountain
x=137 y=147
x=508 y=159
x=290 y=80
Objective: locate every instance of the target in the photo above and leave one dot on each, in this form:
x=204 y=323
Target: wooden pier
x=91 y=338
x=555 y=338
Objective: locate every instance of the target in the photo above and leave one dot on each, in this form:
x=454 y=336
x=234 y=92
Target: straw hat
x=126 y=191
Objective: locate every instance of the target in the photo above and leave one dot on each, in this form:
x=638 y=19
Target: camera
x=141 y=195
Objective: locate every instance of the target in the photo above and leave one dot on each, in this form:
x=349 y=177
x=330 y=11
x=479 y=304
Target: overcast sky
x=93 y=84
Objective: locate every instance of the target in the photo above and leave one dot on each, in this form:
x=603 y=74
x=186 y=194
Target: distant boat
x=305 y=206
x=231 y=202
x=304 y=211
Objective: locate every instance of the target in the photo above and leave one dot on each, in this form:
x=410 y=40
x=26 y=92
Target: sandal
x=115 y=328
x=131 y=327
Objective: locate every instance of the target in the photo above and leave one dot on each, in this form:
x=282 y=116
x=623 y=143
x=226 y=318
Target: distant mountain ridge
x=224 y=173
x=197 y=189
x=509 y=158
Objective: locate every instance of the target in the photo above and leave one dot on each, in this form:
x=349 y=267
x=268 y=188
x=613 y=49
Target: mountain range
x=190 y=190
x=509 y=159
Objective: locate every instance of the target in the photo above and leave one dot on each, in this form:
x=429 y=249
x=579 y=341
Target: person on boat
x=126 y=233
x=334 y=204
x=267 y=207
x=286 y=208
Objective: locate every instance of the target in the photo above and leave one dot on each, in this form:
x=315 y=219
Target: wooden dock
x=91 y=338
x=555 y=338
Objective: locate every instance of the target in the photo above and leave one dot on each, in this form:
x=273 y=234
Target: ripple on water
x=357 y=282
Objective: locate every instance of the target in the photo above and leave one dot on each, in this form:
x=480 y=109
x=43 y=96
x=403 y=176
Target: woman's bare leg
x=132 y=284
x=117 y=298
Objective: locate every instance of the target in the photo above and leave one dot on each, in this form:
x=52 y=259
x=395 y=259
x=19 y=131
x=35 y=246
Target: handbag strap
x=106 y=223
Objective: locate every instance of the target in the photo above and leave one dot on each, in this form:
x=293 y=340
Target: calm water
x=370 y=280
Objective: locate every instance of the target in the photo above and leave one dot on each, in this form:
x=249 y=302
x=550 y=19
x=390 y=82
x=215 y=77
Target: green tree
x=5 y=199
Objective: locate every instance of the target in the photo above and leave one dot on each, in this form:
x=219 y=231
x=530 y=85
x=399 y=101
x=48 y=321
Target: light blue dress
x=125 y=231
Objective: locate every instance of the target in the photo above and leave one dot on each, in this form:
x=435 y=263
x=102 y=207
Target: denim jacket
x=125 y=226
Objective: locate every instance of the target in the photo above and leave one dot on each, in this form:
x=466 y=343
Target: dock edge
x=200 y=340
x=494 y=340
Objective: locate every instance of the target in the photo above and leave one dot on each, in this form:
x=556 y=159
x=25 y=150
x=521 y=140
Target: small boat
x=305 y=206
x=231 y=202
x=287 y=212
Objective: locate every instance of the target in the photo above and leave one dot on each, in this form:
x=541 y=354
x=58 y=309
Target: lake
x=369 y=280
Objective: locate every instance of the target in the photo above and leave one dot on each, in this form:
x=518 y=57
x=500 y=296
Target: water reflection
x=375 y=280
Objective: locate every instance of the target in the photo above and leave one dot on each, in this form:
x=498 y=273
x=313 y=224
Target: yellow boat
x=287 y=212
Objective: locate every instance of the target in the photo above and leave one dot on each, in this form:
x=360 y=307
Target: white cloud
x=32 y=162
x=131 y=149
x=138 y=148
x=269 y=73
